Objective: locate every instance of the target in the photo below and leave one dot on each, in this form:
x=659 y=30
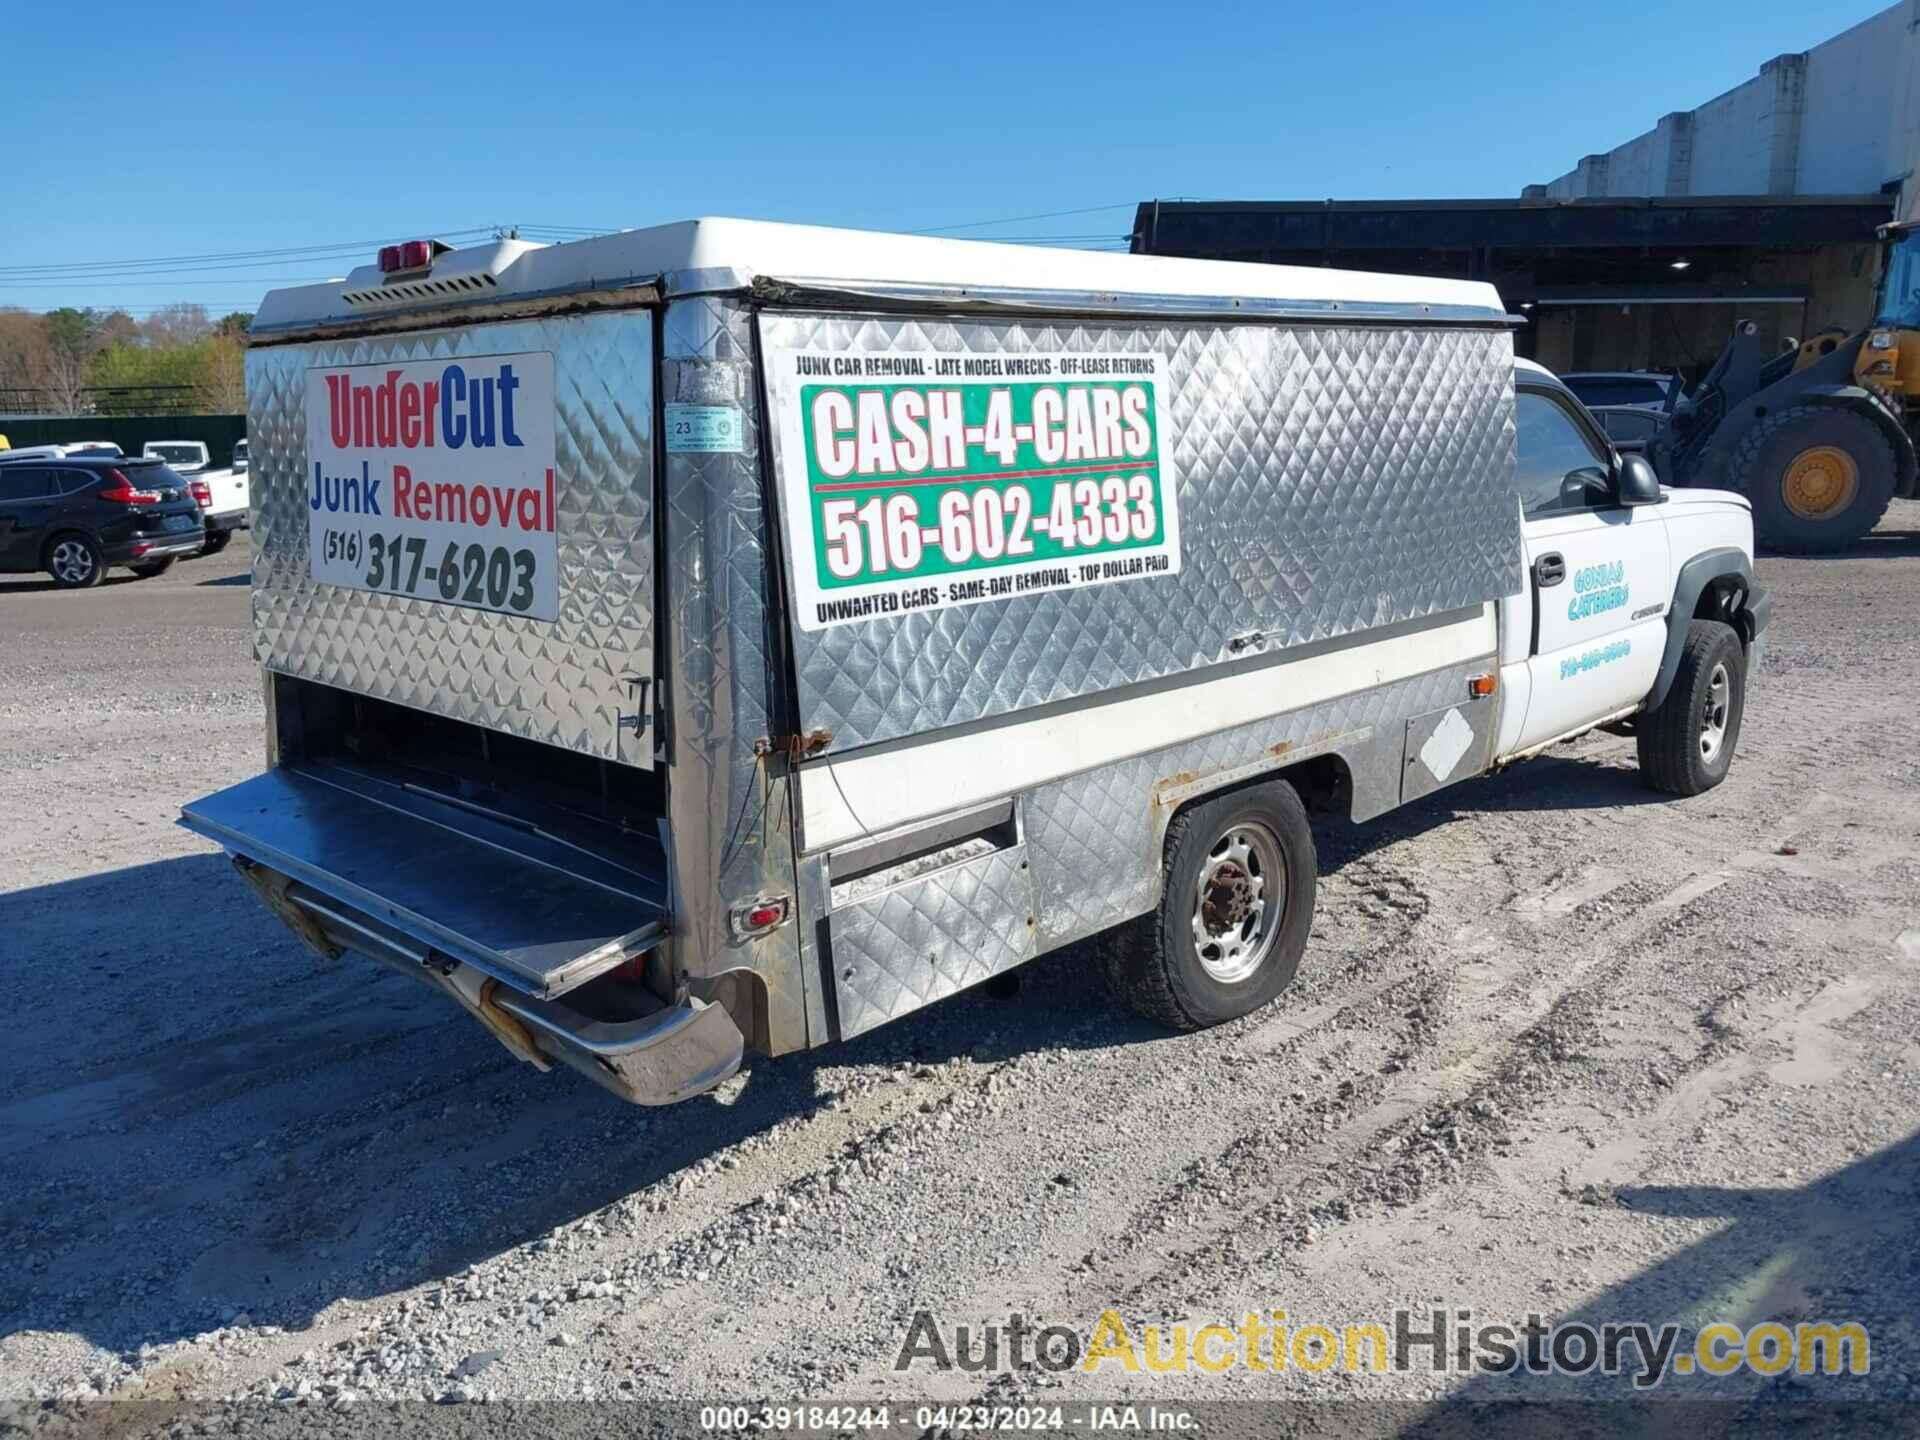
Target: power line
x=255 y=281
x=257 y=257
x=1021 y=219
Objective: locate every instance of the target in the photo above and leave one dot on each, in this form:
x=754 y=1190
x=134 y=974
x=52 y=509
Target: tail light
x=120 y=490
x=202 y=493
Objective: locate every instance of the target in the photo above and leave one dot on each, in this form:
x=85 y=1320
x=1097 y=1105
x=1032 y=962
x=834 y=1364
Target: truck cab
x=1617 y=569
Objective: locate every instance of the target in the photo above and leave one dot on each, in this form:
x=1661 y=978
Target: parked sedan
x=1644 y=389
x=74 y=517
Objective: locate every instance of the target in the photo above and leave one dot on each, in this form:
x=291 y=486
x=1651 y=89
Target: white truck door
x=1599 y=571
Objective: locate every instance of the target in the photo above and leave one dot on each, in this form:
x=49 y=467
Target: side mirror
x=1635 y=482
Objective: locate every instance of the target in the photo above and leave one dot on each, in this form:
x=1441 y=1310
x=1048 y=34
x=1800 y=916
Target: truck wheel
x=217 y=541
x=147 y=569
x=74 y=561
x=1819 y=478
x=1686 y=742
x=1233 y=917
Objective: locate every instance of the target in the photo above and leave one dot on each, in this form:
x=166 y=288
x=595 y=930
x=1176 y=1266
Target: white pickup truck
x=1611 y=576
x=225 y=504
x=801 y=626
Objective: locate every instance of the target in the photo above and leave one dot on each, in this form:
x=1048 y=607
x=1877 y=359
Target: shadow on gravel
x=245 y=577
x=1879 y=545
x=1844 y=1248
x=208 y=1122
x=1547 y=782
x=13 y=585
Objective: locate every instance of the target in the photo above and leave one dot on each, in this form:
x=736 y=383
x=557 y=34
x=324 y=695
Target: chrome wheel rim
x=1239 y=901
x=72 y=561
x=1713 y=716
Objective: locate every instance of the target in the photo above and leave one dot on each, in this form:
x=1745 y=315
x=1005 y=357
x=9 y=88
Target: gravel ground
x=1558 y=1047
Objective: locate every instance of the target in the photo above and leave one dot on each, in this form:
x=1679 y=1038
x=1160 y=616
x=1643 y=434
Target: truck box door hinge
x=638 y=721
x=795 y=747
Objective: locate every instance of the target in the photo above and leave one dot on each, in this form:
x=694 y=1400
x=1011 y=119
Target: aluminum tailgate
x=511 y=897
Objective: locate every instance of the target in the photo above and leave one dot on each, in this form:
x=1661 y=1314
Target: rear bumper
x=670 y=1054
x=675 y=1053
x=227 y=520
x=157 y=547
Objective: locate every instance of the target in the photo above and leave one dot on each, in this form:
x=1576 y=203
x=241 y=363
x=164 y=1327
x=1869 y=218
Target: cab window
x=1557 y=467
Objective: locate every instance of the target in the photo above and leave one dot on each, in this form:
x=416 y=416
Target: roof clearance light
x=413 y=255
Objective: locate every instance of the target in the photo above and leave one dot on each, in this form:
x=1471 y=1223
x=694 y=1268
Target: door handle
x=1549 y=570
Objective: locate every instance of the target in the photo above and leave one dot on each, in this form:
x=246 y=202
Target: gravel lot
x=1558 y=1047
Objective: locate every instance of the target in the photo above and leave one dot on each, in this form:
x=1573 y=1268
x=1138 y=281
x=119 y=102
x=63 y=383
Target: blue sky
x=144 y=131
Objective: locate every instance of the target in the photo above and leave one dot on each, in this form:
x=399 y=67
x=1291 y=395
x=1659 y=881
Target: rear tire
x=147 y=569
x=1818 y=477
x=1233 y=916
x=1686 y=742
x=217 y=540
x=74 y=561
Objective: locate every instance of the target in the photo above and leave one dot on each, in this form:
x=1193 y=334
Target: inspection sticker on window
x=433 y=479
x=914 y=481
x=705 y=430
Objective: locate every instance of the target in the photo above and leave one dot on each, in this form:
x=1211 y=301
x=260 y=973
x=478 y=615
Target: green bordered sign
x=915 y=481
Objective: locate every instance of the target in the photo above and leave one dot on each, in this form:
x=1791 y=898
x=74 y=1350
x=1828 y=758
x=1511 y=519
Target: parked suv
x=74 y=517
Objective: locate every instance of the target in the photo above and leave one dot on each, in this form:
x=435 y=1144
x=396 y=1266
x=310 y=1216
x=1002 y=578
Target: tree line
x=104 y=362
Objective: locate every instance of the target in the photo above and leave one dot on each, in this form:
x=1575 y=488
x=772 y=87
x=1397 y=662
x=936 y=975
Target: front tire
x=1233 y=916
x=1687 y=741
x=74 y=561
x=147 y=569
x=217 y=540
x=1819 y=478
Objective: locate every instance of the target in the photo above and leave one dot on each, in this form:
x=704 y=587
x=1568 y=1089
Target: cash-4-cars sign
x=915 y=481
x=434 y=480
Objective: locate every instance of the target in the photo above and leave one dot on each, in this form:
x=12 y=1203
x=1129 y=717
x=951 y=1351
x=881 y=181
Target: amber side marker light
x=1481 y=686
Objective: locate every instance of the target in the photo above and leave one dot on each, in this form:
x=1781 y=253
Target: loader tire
x=1818 y=477
x=1233 y=916
x=1686 y=742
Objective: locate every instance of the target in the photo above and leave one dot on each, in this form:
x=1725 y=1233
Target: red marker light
x=410 y=255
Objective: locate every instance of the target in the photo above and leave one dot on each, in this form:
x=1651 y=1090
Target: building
x=1840 y=119
x=1606 y=284
x=1759 y=204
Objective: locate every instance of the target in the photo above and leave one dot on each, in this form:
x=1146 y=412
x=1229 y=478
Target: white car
x=222 y=493
x=183 y=457
x=226 y=504
x=89 y=449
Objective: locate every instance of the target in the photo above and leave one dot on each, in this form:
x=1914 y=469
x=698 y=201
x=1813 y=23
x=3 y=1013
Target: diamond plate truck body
x=732 y=636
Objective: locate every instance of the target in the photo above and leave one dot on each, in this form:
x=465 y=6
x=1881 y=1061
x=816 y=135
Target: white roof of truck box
x=717 y=255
